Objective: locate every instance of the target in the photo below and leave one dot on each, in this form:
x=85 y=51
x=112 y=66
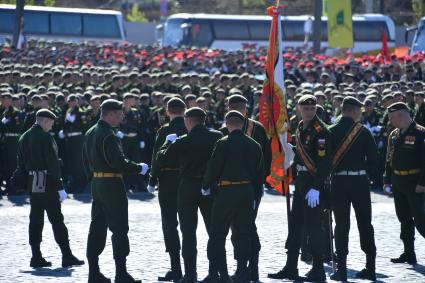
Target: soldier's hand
x=62 y=195
x=206 y=191
x=5 y=120
x=312 y=198
x=145 y=168
x=71 y=117
x=420 y=189
x=387 y=189
x=142 y=144
x=120 y=134
x=150 y=189
x=61 y=134
x=171 y=137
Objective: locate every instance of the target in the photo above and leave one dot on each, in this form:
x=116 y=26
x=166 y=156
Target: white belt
x=131 y=135
x=301 y=168
x=74 y=134
x=12 y=135
x=351 y=173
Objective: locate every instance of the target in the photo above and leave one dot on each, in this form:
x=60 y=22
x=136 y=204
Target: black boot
x=38 y=262
x=367 y=274
x=289 y=271
x=317 y=273
x=408 y=256
x=175 y=274
x=122 y=275
x=341 y=272
x=253 y=268
x=71 y=260
x=241 y=275
x=95 y=276
x=189 y=278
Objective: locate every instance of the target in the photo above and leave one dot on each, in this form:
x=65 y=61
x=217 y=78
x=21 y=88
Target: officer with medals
x=355 y=158
x=405 y=177
x=104 y=164
x=37 y=155
x=313 y=164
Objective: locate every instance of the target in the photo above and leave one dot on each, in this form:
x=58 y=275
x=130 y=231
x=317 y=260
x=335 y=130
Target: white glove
x=206 y=191
x=387 y=189
x=150 y=189
x=70 y=117
x=171 y=137
x=61 y=134
x=376 y=129
x=120 y=135
x=5 y=120
x=62 y=195
x=312 y=198
x=145 y=168
x=142 y=144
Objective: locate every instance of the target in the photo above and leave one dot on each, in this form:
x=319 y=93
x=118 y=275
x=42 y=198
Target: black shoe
x=71 y=260
x=367 y=274
x=172 y=275
x=98 y=278
x=314 y=275
x=339 y=275
x=126 y=278
x=409 y=258
x=306 y=257
x=189 y=279
x=39 y=262
x=285 y=273
x=211 y=278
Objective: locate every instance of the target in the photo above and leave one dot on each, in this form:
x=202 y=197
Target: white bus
x=65 y=24
x=231 y=32
x=418 y=43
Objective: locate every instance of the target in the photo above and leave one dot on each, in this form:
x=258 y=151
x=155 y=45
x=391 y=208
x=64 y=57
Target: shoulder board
x=420 y=128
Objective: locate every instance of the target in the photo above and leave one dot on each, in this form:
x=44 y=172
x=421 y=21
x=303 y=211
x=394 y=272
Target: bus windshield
x=174 y=32
x=419 y=42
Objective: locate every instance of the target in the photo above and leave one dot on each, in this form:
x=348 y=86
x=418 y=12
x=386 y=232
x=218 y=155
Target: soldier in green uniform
x=104 y=163
x=193 y=151
x=168 y=179
x=38 y=157
x=313 y=164
x=256 y=131
x=239 y=180
x=30 y=117
x=405 y=176
x=75 y=125
x=11 y=127
x=355 y=158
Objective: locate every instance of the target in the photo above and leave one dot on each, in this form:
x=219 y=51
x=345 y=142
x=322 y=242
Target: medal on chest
x=321 y=151
x=409 y=140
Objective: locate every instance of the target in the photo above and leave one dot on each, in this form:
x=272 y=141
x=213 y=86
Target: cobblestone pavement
x=148 y=259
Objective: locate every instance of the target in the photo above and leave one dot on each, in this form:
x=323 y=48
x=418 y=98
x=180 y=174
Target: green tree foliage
x=136 y=15
x=418 y=7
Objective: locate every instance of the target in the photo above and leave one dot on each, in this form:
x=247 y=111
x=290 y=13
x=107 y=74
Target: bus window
x=101 y=26
x=36 y=22
x=419 y=42
x=230 y=30
x=7 y=20
x=293 y=30
x=66 y=24
x=201 y=34
x=259 y=30
x=369 y=31
x=173 y=32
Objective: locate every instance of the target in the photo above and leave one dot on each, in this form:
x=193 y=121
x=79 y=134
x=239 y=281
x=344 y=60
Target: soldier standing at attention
x=168 y=179
x=37 y=155
x=104 y=163
x=256 y=131
x=356 y=157
x=193 y=152
x=239 y=179
x=313 y=163
x=405 y=176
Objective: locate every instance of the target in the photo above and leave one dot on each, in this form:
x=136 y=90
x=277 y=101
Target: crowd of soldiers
x=176 y=106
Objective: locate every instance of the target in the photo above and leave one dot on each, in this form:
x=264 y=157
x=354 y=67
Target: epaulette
x=420 y=128
x=394 y=132
x=317 y=126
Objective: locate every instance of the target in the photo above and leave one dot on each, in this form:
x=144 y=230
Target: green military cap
x=95 y=97
x=388 y=96
x=135 y=90
x=144 y=96
x=44 y=97
x=235 y=114
x=350 y=100
x=339 y=97
x=420 y=93
x=35 y=97
x=307 y=99
x=176 y=102
x=318 y=94
x=157 y=94
x=186 y=87
x=237 y=98
x=348 y=74
x=189 y=97
x=397 y=106
x=111 y=105
x=15 y=97
x=324 y=75
x=195 y=112
x=206 y=93
x=60 y=97
x=72 y=97
x=291 y=86
x=6 y=95
x=46 y=114
x=128 y=95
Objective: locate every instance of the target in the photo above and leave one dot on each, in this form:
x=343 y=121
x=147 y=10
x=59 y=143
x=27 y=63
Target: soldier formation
x=104 y=114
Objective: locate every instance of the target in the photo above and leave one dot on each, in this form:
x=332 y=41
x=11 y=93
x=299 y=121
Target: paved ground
x=147 y=259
